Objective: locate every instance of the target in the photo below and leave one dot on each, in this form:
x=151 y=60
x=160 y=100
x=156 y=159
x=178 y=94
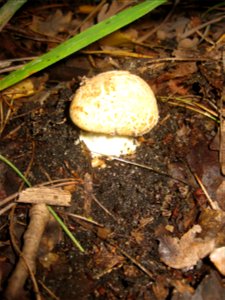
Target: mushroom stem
x=101 y=144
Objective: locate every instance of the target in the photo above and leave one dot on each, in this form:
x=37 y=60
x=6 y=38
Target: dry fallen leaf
x=53 y=24
x=200 y=241
x=176 y=87
x=186 y=251
x=138 y=235
x=25 y=88
x=109 y=10
x=211 y=287
x=205 y=163
x=188 y=43
x=183 y=69
x=220 y=194
x=119 y=38
x=160 y=288
x=105 y=260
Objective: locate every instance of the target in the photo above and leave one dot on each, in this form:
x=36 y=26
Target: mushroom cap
x=115 y=103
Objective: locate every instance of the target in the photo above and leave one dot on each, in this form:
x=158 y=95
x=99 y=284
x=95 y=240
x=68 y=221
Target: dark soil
x=121 y=258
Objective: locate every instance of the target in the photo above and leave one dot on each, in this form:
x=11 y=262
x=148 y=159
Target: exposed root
x=39 y=216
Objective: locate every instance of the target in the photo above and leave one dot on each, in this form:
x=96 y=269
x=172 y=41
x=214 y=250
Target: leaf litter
x=152 y=237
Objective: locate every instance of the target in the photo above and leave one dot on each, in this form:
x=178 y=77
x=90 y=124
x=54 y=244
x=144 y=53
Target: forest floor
x=147 y=225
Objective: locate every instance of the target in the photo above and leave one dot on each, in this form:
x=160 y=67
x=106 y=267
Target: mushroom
x=113 y=108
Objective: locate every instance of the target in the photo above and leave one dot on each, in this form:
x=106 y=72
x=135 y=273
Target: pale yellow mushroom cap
x=115 y=103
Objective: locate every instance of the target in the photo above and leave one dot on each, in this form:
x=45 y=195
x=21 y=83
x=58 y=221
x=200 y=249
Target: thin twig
x=85 y=219
x=6 y=208
x=92 y=14
x=192 y=31
x=103 y=207
x=212 y=203
x=151 y=60
x=135 y=262
x=148 y=168
x=90 y=193
x=51 y=294
x=155 y=29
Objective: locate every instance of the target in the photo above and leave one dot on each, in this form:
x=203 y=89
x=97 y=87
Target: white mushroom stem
x=100 y=144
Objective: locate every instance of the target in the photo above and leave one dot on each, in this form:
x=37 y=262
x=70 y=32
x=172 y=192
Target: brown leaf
x=176 y=88
x=138 y=235
x=184 y=69
x=210 y=288
x=220 y=194
x=54 y=24
x=186 y=251
x=105 y=260
x=160 y=288
x=205 y=164
x=110 y=10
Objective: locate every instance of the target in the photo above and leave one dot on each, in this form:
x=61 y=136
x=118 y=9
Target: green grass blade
x=8 y=10
x=65 y=228
x=80 y=41
x=15 y=169
x=57 y=218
